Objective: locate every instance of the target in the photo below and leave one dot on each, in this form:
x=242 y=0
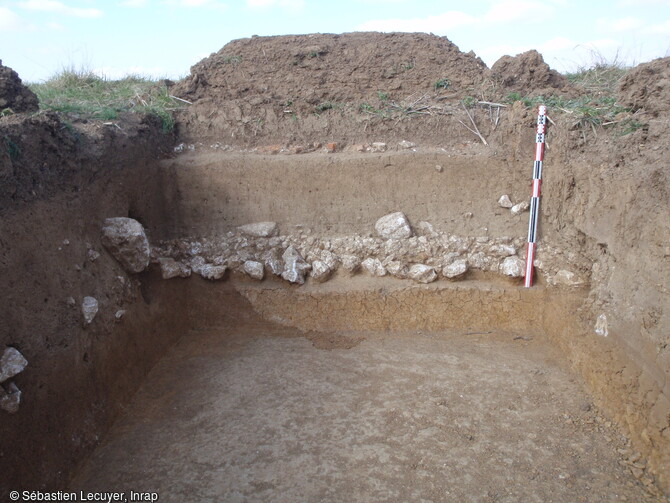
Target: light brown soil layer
x=250 y=411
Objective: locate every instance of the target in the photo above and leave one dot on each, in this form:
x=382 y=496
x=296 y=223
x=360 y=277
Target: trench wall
x=609 y=221
x=79 y=376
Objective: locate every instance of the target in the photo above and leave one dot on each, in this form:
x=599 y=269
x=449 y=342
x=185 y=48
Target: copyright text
x=84 y=496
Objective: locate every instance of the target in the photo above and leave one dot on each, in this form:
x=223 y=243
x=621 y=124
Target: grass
x=85 y=95
x=13 y=150
x=598 y=107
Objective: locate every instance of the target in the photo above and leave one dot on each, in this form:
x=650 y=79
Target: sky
x=164 y=38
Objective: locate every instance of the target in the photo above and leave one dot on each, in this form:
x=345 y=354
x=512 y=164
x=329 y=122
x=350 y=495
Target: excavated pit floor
x=251 y=411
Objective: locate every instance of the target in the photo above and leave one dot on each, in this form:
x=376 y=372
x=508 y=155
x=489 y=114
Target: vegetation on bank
x=85 y=95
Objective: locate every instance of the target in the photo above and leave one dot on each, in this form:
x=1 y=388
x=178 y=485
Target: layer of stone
x=301 y=257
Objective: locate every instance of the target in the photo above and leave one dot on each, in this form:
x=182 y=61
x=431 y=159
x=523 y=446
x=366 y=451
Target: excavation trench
x=359 y=388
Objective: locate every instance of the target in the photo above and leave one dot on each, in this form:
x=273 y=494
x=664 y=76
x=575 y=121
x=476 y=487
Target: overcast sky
x=163 y=38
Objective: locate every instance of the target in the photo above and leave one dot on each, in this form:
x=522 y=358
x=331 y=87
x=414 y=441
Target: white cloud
x=641 y=3
x=518 y=10
x=433 y=24
x=114 y=73
x=661 y=28
x=557 y=44
x=266 y=4
x=619 y=25
x=500 y=13
x=135 y=3
x=9 y=21
x=55 y=26
x=60 y=8
x=209 y=4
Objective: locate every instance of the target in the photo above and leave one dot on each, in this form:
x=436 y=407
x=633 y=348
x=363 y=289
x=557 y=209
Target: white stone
x=406 y=144
x=439 y=168
x=426 y=229
x=125 y=239
x=320 y=271
x=378 y=146
x=502 y=250
x=397 y=269
x=513 y=267
x=350 y=263
x=10 y=399
x=92 y=255
x=12 y=362
x=254 y=269
x=273 y=261
x=373 y=267
x=211 y=272
x=456 y=269
x=119 y=314
x=260 y=229
x=295 y=266
x=89 y=308
x=393 y=226
x=170 y=268
x=505 y=201
x=520 y=208
x=601 y=325
x=479 y=260
x=422 y=273
x=566 y=278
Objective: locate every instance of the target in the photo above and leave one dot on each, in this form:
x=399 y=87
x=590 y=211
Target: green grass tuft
x=85 y=95
x=13 y=150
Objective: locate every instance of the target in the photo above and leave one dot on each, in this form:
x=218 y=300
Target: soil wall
x=79 y=376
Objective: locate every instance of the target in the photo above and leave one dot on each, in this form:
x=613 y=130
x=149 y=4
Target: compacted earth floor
x=258 y=413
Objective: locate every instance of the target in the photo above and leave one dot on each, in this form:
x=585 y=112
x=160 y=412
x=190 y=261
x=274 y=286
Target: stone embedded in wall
x=125 y=239
x=260 y=229
x=397 y=269
x=211 y=272
x=519 y=208
x=513 y=267
x=601 y=325
x=350 y=263
x=373 y=266
x=10 y=398
x=426 y=229
x=566 y=278
x=272 y=259
x=89 y=308
x=422 y=273
x=92 y=255
x=295 y=266
x=378 y=146
x=456 y=269
x=12 y=362
x=170 y=268
x=502 y=250
x=321 y=271
x=254 y=269
x=393 y=226
x=118 y=316
x=505 y=201
x=406 y=144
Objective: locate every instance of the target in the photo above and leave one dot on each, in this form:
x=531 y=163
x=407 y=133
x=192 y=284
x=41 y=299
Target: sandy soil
x=238 y=414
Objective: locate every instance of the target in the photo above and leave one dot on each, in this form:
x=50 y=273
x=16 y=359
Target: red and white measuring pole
x=535 y=199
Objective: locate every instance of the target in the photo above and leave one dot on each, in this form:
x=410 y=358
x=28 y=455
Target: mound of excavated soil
x=13 y=94
x=647 y=87
x=344 y=88
x=527 y=73
x=311 y=70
